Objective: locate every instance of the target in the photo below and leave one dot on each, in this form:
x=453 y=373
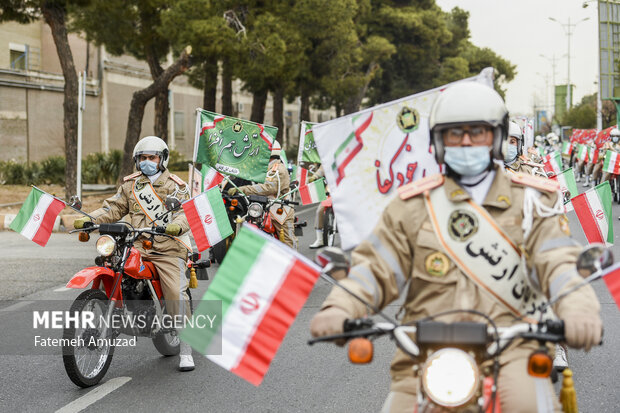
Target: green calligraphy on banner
x=234 y=146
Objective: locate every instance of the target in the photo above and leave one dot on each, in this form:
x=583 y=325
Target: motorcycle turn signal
x=147 y=244
x=83 y=236
x=540 y=364
x=361 y=350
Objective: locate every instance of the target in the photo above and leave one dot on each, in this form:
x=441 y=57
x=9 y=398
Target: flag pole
x=65 y=202
x=196 y=137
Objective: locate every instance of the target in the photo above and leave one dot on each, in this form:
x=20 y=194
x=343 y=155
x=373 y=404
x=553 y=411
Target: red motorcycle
x=125 y=297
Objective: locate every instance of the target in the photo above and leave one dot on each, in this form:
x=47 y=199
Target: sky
x=520 y=31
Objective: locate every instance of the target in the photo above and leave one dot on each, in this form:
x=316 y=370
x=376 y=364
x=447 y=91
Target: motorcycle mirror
x=593 y=258
x=75 y=202
x=334 y=262
x=172 y=203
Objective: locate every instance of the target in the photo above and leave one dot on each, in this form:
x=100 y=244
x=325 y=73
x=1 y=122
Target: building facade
x=31 y=98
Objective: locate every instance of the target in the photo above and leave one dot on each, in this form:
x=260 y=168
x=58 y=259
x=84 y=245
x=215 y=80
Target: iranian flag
x=612 y=281
x=582 y=152
x=207 y=218
x=262 y=285
x=212 y=178
x=568 y=186
x=302 y=176
x=612 y=162
x=313 y=192
x=567 y=148
x=593 y=209
x=35 y=219
x=553 y=163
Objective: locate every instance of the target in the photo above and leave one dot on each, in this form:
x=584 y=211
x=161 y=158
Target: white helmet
x=151 y=145
x=514 y=131
x=615 y=132
x=552 y=138
x=468 y=103
x=276 y=149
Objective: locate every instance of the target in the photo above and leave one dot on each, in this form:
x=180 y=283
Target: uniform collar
x=163 y=177
x=499 y=194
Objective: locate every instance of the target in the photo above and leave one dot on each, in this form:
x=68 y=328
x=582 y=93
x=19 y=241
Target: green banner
x=234 y=146
x=307 y=147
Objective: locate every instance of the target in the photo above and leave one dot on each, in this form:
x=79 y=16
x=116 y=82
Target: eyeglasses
x=477 y=134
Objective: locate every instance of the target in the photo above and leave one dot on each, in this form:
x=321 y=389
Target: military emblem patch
x=437 y=264
x=408 y=119
x=462 y=225
x=564 y=224
x=237 y=127
x=139 y=186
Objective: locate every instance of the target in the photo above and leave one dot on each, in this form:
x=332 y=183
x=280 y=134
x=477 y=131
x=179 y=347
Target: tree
x=133 y=27
x=583 y=115
x=201 y=23
x=54 y=13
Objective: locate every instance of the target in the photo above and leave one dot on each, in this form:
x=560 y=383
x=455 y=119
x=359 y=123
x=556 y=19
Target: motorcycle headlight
x=255 y=210
x=450 y=377
x=105 y=245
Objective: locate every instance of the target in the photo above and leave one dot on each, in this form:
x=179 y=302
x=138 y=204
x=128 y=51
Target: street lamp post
x=568 y=28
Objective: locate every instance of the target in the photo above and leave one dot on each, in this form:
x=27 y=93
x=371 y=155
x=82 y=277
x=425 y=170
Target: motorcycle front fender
x=87 y=275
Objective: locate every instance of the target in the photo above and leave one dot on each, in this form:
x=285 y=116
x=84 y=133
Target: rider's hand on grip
x=232 y=191
x=328 y=322
x=173 y=229
x=582 y=330
x=79 y=223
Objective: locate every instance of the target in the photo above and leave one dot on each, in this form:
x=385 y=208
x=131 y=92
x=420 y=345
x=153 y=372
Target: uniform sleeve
x=113 y=208
x=178 y=217
x=270 y=187
x=553 y=255
x=381 y=264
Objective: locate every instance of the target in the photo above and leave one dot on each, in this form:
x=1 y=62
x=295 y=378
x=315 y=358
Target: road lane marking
x=94 y=395
x=61 y=289
x=16 y=306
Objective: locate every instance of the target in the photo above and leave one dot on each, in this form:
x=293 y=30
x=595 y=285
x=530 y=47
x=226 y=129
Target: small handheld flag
x=35 y=219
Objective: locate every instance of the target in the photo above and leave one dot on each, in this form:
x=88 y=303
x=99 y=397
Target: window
x=18 y=56
x=179 y=125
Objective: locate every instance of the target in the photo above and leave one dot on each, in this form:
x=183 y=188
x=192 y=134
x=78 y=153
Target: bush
x=101 y=168
x=177 y=162
x=97 y=168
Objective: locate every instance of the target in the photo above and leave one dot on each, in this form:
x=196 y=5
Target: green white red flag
x=612 y=281
x=207 y=218
x=568 y=186
x=612 y=162
x=204 y=181
x=593 y=209
x=567 y=148
x=582 y=152
x=553 y=163
x=313 y=192
x=262 y=285
x=35 y=220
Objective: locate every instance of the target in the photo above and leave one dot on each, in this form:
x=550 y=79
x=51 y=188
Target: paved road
x=301 y=378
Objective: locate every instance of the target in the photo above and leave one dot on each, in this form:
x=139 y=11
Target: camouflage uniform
x=400 y=258
x=169 y=256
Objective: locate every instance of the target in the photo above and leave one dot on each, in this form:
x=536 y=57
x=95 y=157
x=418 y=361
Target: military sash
x=483 y=252
x=154 y=208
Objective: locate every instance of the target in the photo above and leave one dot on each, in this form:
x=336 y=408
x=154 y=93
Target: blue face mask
x=614 y=139
x=148 y=168
x=467 y=160
x=511 y=154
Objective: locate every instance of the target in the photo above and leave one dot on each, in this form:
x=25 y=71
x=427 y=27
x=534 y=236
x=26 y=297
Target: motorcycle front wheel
x=168 y=343
x=88 y=360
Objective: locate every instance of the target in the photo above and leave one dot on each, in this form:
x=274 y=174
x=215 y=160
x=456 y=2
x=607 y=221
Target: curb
x=6 y=219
